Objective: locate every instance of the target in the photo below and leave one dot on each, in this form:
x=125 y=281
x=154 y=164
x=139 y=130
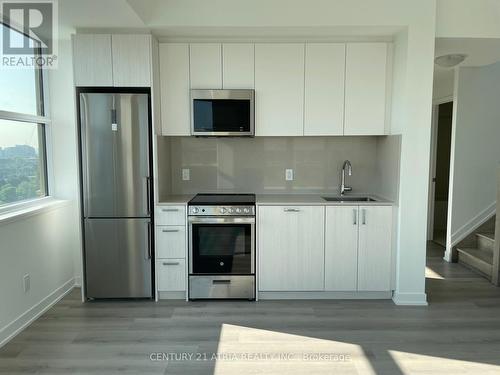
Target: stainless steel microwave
x=222 y=113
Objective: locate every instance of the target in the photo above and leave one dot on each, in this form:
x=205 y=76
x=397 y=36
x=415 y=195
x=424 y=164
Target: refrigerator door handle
x=148 y=255
x=148 y=195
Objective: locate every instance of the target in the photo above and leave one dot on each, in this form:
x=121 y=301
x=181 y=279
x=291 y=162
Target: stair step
x=486 y=241
x=477 y=259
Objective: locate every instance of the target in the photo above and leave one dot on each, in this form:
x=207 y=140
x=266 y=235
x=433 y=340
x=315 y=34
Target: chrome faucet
x=343 y=187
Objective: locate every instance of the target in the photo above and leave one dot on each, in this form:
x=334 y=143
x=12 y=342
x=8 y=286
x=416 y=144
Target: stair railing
x=495 y=277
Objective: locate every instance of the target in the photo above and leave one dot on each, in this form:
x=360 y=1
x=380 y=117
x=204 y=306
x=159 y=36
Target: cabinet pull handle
x=171 y=263
x=221 y=281
x=354 y=217
x=364 y=216
x=169 y=230
x=291 y=210
x=170 y=209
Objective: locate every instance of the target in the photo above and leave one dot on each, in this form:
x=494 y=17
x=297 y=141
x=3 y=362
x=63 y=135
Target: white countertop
x=316 y=200
x=288 y=199
x=175 y=199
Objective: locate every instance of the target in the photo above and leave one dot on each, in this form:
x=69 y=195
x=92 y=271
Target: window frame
x=43 y=121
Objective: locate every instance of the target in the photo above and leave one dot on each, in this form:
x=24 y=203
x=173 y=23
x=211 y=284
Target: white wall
x=47 y=245
x=64 y=140
x=475 y=147
x=468 y=19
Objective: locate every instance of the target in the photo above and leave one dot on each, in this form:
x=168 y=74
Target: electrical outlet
x=289 y=174
x=27 y=283
x=185 y=174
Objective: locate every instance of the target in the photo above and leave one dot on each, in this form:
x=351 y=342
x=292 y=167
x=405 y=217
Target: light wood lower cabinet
x=291 y=248
x=374 y=249
x=171 y=275
x=341 y=248
x=331 y=249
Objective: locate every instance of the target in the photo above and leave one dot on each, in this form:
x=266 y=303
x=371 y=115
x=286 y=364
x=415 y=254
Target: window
x=23 y=162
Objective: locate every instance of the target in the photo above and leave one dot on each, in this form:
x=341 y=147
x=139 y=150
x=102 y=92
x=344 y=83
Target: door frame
x=432 y=167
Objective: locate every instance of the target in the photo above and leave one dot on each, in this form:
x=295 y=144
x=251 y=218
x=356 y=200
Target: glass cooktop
x=223 y=199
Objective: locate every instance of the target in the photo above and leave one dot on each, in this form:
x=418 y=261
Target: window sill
x=34 y=208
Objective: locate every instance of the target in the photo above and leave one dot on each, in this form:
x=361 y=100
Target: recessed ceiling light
x=451 y=60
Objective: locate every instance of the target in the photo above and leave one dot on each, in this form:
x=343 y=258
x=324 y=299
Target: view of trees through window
x=21 y=168
x=22 y=137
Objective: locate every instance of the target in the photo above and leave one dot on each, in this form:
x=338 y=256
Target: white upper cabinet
x=279 y=89
x=341 y=248
x=122 y=60
x=365 y=89
x=206 y=65
x=92 y=60
x=375 y=251
x=174 y=89
x=131 y=60
x=238 y=66
x=291 y=248
x=324 y=89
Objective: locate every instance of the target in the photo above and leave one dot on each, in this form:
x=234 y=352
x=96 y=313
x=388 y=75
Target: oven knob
x=195 y=210
x=246 y=210
x=222 y=210
x=238 y=210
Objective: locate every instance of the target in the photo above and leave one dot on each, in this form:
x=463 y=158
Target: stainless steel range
x=222 y=246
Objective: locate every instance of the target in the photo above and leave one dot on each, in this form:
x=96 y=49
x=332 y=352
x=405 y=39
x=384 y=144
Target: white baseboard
x=15 y=327
x=78 y=281
x=410 y=299
x=473 y=224
x=324 y=295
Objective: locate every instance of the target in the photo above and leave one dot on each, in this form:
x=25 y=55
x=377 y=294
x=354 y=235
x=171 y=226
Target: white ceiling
x=479 y=52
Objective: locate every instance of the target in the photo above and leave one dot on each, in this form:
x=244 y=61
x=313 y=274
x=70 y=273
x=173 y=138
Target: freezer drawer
x=118 y=258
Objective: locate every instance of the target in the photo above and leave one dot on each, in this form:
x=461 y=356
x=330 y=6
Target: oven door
x=222 y=245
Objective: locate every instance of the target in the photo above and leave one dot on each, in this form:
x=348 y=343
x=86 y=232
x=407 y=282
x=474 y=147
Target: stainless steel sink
x=349 y=199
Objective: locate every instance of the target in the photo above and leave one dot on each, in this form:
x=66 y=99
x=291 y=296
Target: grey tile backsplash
x=258 y=164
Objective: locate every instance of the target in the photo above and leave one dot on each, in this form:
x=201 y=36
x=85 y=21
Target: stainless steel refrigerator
x=116 y=193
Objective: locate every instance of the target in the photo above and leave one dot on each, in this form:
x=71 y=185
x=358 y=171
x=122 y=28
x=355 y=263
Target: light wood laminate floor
x=458 y=333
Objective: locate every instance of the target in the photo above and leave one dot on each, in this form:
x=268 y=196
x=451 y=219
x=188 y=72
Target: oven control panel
x=222 y=210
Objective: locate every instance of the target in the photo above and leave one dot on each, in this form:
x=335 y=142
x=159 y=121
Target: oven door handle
x=221 y=220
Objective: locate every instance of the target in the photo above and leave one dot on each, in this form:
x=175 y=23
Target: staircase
x=477 y=253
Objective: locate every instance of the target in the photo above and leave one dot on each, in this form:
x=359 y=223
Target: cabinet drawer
x=170 y=215
x=171 y=275
x=171 y=241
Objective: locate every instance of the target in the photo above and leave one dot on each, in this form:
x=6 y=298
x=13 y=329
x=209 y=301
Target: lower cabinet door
x=341 y=248
x=375 y=248
x=291 y=248
x=171 y=275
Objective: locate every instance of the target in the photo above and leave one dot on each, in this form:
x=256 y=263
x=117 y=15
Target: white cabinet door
x=170 y=241
x=171 y=275
x=238 y=66
x=131 y=60
x=341 y=248
x=279 y=89
x=92 y=60
x=365 y=88
x=324 y=89
x=291 y=248
x=374 y=251
x=206 y=65
x=174 y=89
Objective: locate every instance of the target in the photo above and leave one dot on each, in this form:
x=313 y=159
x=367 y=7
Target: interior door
x=115 y=151
x=118 y=258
